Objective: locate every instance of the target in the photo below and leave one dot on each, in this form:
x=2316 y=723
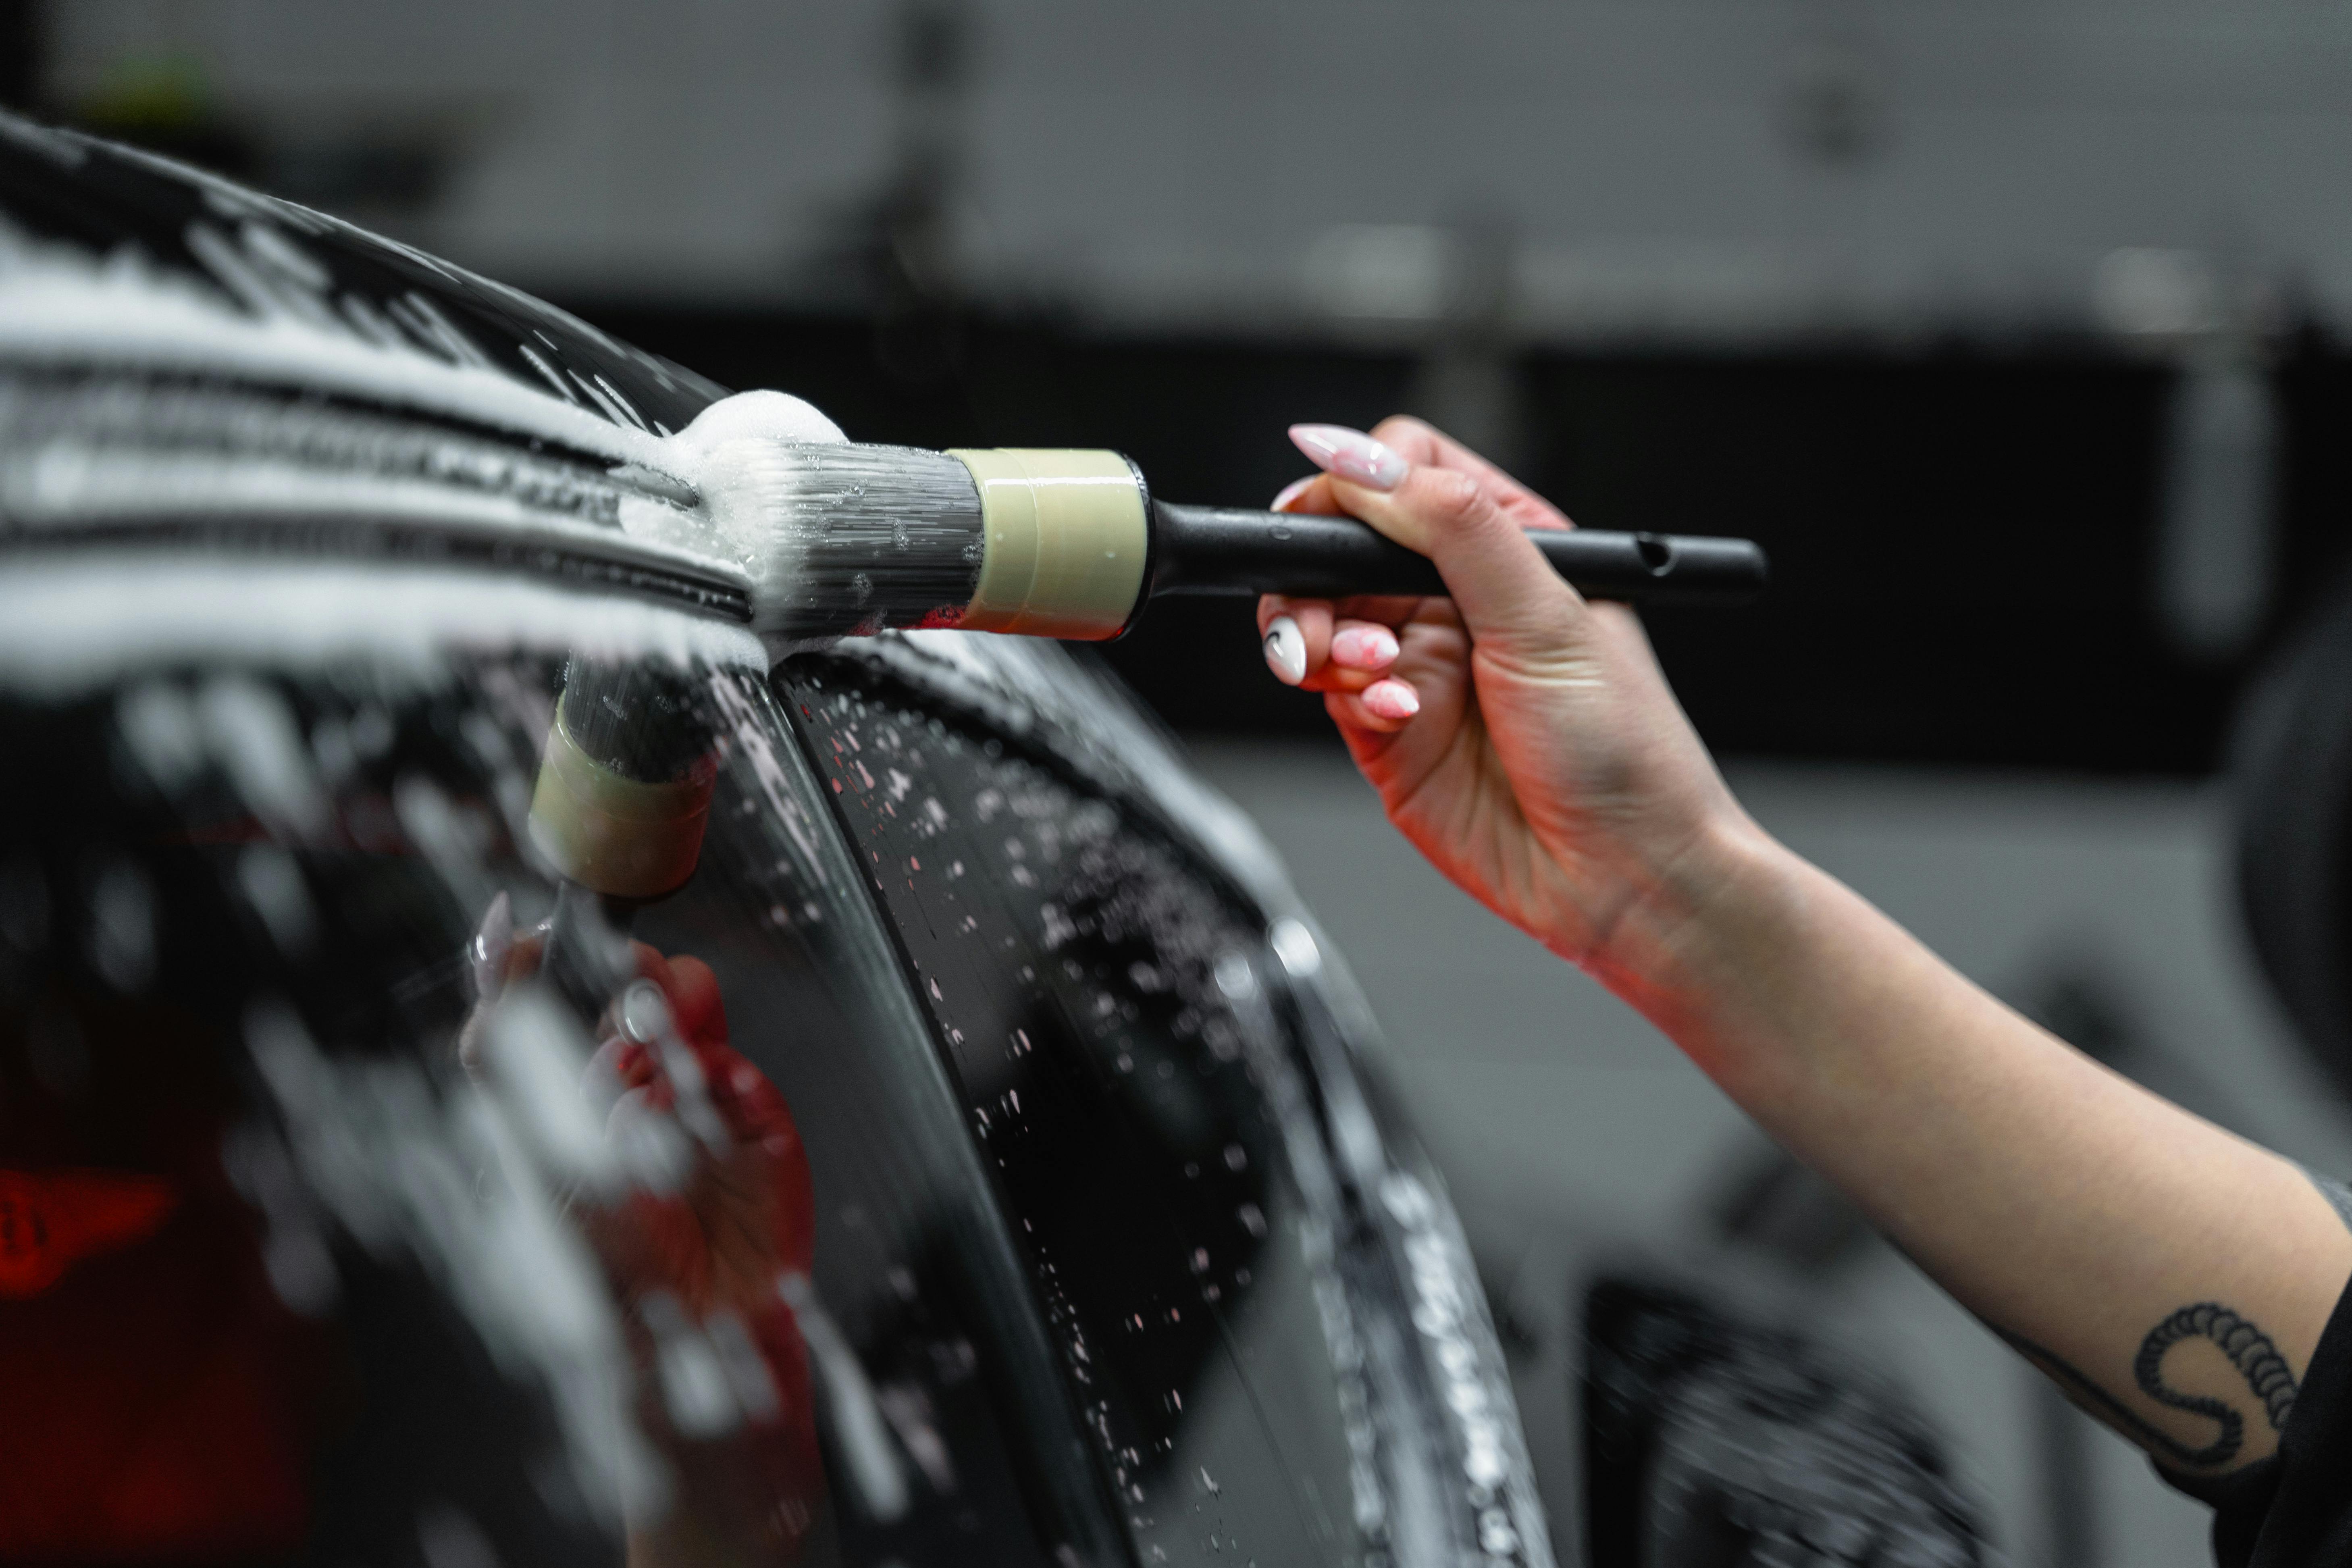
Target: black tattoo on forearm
x=2250 y=1350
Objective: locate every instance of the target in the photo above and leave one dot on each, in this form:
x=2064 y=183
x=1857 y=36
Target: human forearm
x=2176 y=1277
x=2075 y=1213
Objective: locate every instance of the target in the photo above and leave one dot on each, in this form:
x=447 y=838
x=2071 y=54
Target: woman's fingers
x=1296 y=635
x=1427 y=446
x=1314 y=645
x=1365 y=648
x=1506 y=591
x=1348 y=648
x=1383 y=707
x=1470 y=519
x=1351 y=455
x=1308 y=495
x=1363 y=655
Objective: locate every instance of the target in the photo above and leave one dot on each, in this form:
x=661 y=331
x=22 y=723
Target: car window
x=1104 y=1000
x=461 y=1106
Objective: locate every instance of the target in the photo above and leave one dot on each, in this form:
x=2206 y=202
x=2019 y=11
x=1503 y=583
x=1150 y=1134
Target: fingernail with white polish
x=1291 y=492
x=1364 y=647
x=1286 y=650
x=1351 y=455
x=1392 y=700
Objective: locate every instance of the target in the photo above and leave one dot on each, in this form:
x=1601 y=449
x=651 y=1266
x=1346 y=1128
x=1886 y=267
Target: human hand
x=1523 y=738
x=1527 y=742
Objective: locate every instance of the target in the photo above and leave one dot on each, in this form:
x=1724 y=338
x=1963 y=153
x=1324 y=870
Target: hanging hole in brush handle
x=1201 y=550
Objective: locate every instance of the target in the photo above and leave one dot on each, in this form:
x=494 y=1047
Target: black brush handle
x=1225 y=549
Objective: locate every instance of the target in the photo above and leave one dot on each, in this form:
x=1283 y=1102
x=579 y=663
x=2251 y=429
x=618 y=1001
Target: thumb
x=1504 y=589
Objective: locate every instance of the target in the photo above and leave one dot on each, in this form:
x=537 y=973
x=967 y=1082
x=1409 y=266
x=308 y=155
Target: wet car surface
x=498 y=1064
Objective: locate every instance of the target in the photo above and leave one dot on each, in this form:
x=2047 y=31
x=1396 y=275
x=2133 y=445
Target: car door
x=1259 y=1297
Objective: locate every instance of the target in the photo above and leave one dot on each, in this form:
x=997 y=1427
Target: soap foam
x=836 y=537
x=722 y=489
x=831 y=537
x=740 y=457
x=72 y=623
x=59 y=305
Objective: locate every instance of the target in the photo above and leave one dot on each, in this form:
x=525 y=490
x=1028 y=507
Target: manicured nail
x=1364 y=647
x=1351 y=455
x=1291 y=492
x=1392 y=700
x=1286 y=650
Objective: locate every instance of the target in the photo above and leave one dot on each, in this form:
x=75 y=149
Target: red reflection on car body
x=49 y=1221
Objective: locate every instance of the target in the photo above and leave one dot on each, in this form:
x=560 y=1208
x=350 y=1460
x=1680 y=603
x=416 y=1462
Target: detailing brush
x=843 y=538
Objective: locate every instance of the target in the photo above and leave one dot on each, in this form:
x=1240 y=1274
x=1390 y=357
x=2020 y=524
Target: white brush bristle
x=739 y=457
x=835 y=536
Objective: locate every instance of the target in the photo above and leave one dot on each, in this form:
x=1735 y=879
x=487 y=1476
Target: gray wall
x=1705 y=169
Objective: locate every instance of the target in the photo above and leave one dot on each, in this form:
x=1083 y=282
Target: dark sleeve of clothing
x=2294 y=1509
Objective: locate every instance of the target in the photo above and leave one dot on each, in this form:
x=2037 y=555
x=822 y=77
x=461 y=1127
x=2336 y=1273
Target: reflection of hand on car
x=746 y=1212
x=724 y=1376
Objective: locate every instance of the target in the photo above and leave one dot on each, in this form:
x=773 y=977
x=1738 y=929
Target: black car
x=499 y=1066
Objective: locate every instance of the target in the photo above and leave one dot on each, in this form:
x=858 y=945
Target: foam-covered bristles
x=837 y=538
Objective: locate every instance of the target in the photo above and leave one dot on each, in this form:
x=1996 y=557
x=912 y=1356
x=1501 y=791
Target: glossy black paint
x=96 y=197
x=1078 y=964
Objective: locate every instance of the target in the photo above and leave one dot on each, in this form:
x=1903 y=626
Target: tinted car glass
x=351 y=1210
x=1107 y=1002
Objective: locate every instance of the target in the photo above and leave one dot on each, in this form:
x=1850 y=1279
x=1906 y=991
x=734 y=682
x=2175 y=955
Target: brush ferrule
x=625 y=837
x=1067 y=537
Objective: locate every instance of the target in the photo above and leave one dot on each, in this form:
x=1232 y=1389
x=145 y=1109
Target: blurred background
x=2017 y=332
